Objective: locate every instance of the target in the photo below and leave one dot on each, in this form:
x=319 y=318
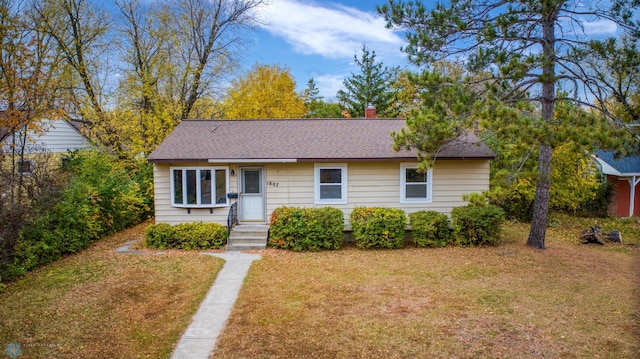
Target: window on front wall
x=330 y=184
x=199 y=187
x=415 y=186
x=25 y=166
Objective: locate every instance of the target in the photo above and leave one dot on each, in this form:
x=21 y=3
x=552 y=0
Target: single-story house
x=203 y=167
x=624 y=174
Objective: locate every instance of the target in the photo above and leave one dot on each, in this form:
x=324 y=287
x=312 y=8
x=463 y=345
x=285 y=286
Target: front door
x=251 y=195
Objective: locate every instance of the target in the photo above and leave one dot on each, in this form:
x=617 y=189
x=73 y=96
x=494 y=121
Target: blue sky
x=318 y=39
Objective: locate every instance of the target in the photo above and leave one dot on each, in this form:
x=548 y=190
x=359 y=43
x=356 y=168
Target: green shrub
x=196 y=236
x=187 y=236
x=109 y=187
x=430 y=228
x=68 y=227
x=378 y=227
x=477 y=225
x=306 y=229
x=142 y=173
x=515 y=204
x=597 y=207
x=159 y=236
x=98 y=197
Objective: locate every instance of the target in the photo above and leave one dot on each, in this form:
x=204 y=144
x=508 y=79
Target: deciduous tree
x=79 y=29
x=267 y=91
x=616 y=62
x=30 y=90
x=145 y=113
x=209 y=37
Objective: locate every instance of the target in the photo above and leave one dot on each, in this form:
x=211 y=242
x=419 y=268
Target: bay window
x=199 y=186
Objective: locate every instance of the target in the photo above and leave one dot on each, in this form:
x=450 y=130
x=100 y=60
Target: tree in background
x=209 y=38
x=266 y=91
x=523 y=51
x=616 y=62
x=311 y=92
x=79 y=30
x=372 y=86
x=145 y=112
x=316 y=106
x=177 y=55
x=30 y=92
x=574 y=179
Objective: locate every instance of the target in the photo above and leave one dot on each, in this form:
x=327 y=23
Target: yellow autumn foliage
x=574 y=179
x=266 y=91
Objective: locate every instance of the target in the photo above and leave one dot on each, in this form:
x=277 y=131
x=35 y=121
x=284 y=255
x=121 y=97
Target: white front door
x=251 y=194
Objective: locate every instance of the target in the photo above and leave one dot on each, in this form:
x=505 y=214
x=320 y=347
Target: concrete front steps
x=244 y=237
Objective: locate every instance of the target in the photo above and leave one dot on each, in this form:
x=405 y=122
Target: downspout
x=633 y=181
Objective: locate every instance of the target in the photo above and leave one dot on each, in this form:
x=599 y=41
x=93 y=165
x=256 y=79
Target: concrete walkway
x=199 y=339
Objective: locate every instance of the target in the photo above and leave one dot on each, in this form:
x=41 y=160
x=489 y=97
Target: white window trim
x=198 y=189
x=316 y=182
x=403 y=184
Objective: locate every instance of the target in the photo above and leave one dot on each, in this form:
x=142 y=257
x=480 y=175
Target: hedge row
x=99 y=197
x=188 y=236
x=321 y=228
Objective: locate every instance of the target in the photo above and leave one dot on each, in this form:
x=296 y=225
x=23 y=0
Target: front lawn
x=510 y=301
x=100 y=304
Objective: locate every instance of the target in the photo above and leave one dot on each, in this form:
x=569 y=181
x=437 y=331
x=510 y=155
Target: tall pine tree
x=372 y=86
x=316 y=106
x=525 y=51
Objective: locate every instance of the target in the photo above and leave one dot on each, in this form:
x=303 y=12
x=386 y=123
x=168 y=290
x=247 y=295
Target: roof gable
x=55 y=136
x=298 y=140
x=619 y=166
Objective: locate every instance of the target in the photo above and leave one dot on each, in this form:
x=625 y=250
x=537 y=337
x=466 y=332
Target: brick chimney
x=370 y=111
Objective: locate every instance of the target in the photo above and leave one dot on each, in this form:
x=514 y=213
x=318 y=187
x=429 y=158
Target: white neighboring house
x=55 y=136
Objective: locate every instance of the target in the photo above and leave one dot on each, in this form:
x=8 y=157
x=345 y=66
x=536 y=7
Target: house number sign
x=273 y=184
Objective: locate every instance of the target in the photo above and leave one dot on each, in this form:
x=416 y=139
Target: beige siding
x=377 y=184
x=369 y=184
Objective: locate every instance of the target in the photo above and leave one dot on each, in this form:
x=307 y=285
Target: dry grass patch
x=100 y=304
x=510 y=301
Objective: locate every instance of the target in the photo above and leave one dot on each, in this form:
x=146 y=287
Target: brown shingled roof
x=302 y=140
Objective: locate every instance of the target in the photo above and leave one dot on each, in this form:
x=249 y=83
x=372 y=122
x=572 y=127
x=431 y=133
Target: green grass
x=100 y=304
x=509 y=301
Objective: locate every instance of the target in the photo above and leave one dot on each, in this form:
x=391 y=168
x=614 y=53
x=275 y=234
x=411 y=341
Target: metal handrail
x=232 y=218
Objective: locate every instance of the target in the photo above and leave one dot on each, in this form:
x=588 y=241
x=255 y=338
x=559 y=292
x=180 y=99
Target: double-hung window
x=415 y=185
x=330 y=181
x=199 y=186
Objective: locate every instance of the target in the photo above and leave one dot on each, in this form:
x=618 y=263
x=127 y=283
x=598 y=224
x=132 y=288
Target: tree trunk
x=538 y=230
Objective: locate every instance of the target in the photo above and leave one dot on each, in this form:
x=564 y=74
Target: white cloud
x=329 y=30
x=600 y=27
x=329 y=85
